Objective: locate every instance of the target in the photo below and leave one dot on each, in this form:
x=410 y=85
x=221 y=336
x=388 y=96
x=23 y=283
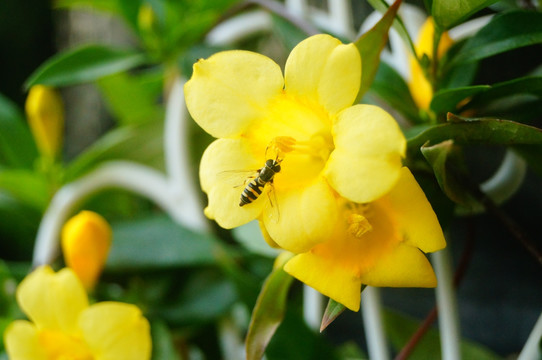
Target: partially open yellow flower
x=45 y=113
x=376 y=244
x=420 y=88
x=63 y=326
x=329 y=150
x=86 y=239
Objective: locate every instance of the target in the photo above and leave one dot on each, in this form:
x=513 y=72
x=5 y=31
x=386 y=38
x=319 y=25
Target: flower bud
x=45 y=113
x=86 y=239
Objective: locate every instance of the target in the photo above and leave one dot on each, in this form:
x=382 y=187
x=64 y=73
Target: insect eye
x=269 y=163
x=277 y=168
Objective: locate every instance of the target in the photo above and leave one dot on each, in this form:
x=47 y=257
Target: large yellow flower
x=330 y=151
x=376 y=244
x=63 y=326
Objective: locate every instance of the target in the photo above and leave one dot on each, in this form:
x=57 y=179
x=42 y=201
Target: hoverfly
x=265 y=176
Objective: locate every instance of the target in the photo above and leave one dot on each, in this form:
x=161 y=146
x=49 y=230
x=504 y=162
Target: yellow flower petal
x=229 y=90
x=322 y=274
x=415 y=215
x=45 y=112
x=323 y=69
x=22 y=341
x=116 y=331
x=225 y=167
x=52 y=301
x=307 y=216
x=86 y=239
x=406 y=266
x=366 y=161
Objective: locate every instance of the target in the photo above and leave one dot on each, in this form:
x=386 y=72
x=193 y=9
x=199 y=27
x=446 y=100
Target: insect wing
x=237 y=178
x=273 y=210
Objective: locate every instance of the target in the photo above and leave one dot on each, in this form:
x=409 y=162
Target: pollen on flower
x=358 y=225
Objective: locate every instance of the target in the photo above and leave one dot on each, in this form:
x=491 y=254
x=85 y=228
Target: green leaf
x=204 y=298
x=162 y=342
x=525 y=85
x=288 y=34
x=102 y=5
x=18 y=228
x=448 y=13
x=28 y=187
x=370 y=46
x=17 y=147
x=382 y=6
x=445 y=160
x=333 y=310
x=399 y=328
x=484 y=131
x=84 y=64
x=390 y=87
x=159 y=243
x=503 y=33
x=140 y=143
x=449 y=99
x=133 y=99
x=269 y=310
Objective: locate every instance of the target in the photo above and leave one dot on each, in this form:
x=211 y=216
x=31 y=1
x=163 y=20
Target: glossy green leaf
x=269 y=310
x=158 y=243
x=26 y=186
x=133 y=99
x=370 y=46
x=84 y=64
x=399 y=328
x=140 y=143
x=483 y=131
x=448 y=13
x=450 y=99
x=503 y=33
x=527 y=85
x=17 y=147
x=332 y=312
x=390 y=87
x=446 y=163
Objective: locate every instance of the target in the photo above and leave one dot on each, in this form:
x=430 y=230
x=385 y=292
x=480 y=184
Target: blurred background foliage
x=114 y=61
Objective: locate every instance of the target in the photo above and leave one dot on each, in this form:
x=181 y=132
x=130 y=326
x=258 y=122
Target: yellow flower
x=376 y=244
x=420 y=88
x=45 y=113
x=86 y=239
x=63 y=326
x=329 y=150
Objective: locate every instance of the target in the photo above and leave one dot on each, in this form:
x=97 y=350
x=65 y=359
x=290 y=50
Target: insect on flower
x=265 y=176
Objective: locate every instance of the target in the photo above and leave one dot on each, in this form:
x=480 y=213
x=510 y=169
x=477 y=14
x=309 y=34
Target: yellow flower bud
x=45 y=113
x=146 y=18
x=420 y=88
x=86 y=239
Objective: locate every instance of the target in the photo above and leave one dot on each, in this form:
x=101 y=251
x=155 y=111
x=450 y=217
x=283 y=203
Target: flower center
x=61 y=346
x=297 y=133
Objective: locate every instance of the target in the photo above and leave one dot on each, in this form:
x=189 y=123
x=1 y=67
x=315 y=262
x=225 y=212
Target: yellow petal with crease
x=230 y=90
x=414 y=214
x=366 y=161
x=321 y=274
x=307 y=216
x=22 y=341
x=324 y=70
x=225 y=167
x=116 y=331
x=52 y=301
x=406 y=266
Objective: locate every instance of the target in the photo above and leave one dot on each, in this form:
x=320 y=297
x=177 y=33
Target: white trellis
x=176 y=193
